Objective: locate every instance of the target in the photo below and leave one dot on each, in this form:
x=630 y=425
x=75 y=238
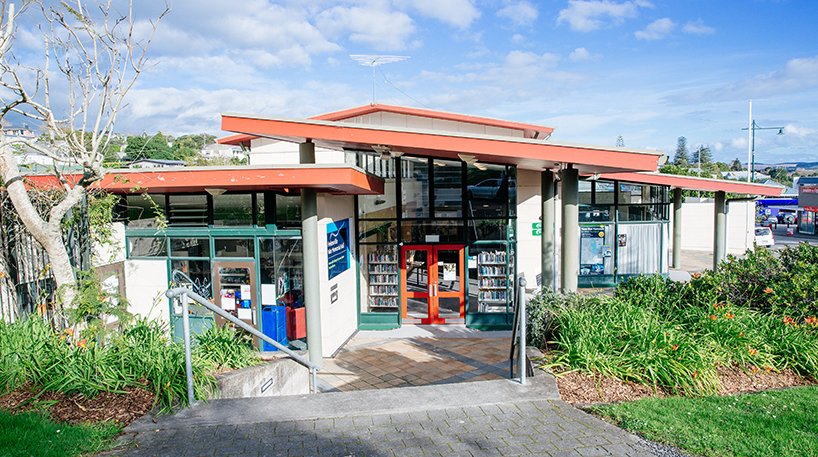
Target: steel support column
x=677 y=228
x=720 y=230
x=549 y=238
x=569 y=180
x=309 y=240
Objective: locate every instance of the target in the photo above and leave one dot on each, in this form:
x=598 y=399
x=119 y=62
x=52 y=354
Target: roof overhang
x=337 y=179
x=696 y=183
x=529 y=154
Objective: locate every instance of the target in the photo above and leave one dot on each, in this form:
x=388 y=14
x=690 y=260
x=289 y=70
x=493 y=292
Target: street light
x=751 y=153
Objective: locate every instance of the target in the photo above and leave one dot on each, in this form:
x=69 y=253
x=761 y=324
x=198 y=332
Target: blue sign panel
x=338 y=247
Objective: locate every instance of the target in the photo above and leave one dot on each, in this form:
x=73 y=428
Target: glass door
x=234 y=291
x=431 y=279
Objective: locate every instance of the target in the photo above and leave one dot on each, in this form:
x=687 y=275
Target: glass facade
x=436 y=202
x=623 y=231
x=210 y=238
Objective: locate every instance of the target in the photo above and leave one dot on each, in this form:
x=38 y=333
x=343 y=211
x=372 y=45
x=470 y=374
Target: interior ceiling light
x=467 y=158
x=480 y=166
x=214 y=191
x=386 y=152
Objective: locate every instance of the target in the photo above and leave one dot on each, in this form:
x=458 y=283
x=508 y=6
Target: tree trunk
x=47 y=233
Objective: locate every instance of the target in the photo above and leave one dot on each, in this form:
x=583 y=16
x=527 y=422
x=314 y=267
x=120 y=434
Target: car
x=769 y=221
x=489 y=188
x=788 y=219
x=764 y=237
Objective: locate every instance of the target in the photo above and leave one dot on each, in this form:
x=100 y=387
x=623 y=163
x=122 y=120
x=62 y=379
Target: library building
x=381 y=216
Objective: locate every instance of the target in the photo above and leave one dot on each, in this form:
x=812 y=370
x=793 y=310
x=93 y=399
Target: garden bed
x=581 y=389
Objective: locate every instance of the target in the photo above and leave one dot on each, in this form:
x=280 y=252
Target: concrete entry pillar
x=720 y=230
x=570 y=229
x=549 y=266
x=677 y=228
x=309 y=240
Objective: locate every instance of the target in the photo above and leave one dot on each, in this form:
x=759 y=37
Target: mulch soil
x=121 y=408
x=582 y=389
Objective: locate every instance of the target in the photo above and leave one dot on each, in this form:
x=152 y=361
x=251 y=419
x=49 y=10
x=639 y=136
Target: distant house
x=23 y=131
x=742 y=176
x=156 y=163
x=229 y=151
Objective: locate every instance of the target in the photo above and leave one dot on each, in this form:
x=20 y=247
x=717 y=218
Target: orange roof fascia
x=500 y=147
x=237 y=139
x=346 y=180
x=369 y=109
x=696 y=183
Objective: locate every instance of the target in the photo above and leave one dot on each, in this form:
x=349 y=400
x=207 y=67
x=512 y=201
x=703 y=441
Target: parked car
x=489 y=188
x=764 y=237
x=788 y=219
x=769 y=221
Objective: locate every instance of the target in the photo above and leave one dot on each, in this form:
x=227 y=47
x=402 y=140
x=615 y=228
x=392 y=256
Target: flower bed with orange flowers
x=757 y=314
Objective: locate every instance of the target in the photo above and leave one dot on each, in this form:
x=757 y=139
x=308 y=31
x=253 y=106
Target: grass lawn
x=34 y=435
x=773 y=423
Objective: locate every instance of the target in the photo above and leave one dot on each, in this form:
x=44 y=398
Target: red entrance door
x=432 y=283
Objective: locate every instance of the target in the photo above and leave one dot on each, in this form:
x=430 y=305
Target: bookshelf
x=492 y=281
x=383 y=279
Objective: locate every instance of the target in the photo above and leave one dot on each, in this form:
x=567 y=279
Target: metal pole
x=521 y=358
x=188 y=360
x=750 y=141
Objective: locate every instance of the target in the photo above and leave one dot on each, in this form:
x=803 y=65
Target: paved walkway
x=491 y=418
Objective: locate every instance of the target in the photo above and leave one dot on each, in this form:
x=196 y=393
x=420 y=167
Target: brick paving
x=545 y=427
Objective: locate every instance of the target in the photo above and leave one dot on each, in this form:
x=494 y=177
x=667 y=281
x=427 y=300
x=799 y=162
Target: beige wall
x=529 y=210
x=698 y=225
x=428 y=123
x=264 y=151
x=339 y=320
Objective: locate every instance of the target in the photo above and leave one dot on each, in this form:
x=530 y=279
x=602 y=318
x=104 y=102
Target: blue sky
x=650 y=71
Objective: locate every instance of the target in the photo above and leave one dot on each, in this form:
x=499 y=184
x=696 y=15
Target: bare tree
x=96 y=54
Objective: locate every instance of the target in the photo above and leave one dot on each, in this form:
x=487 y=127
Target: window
x=233 y=210
x=144 y=210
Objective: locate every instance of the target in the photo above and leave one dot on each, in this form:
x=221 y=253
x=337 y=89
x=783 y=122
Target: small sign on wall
x=536 y=228
x=338 y=247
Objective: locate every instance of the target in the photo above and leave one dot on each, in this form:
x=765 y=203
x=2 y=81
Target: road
x=782 y=239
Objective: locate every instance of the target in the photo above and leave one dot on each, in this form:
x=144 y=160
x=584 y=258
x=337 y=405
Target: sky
x=650 y=71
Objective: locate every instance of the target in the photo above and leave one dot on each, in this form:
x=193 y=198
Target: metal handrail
x=189 y=294
x=523 y=366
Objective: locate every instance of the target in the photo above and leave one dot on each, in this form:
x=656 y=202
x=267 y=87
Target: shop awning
x=526 y=153
x=340 y=179
x=696 y=183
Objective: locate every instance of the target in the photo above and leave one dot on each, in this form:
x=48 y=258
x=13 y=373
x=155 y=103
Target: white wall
x=529 y=210
x=264 y=151
x=339 y=320
x=698 y=218
x=145 y=283
x=428 y=123
x=105 y=254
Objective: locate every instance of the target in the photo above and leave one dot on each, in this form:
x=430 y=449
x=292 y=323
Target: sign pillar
x=309 y=238
x=548 y=242
x=720 y=230
x=570 y=229
x=677 y=228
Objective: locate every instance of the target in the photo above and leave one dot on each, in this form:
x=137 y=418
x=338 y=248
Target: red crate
x=296 y=323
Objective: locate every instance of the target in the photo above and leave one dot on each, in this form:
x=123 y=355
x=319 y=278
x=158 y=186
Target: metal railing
x=523 y=366
x=184 y=294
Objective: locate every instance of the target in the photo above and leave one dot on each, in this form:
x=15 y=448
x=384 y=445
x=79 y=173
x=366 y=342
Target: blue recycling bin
x=274 y=325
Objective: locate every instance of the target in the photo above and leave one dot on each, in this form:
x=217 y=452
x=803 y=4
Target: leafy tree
x=779 y=175
x=681 y=159
x=702 y=156
x=187 y=146
x=97 y=58
x=153 y=147
x=735 y=165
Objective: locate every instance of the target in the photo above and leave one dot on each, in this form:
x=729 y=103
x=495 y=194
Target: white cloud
x=582 y=54
x=458 y=13
x=799 y=132
x=797 y=75
x=656 y=30
x=378 y=28
x=587 y=15
x=698 y=28
x=521 y=12
x=518 y=39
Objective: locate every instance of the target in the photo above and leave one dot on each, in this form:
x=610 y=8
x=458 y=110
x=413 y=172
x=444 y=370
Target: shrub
x=225 y=348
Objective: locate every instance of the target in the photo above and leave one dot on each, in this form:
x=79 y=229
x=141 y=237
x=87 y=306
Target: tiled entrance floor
x=380 y=363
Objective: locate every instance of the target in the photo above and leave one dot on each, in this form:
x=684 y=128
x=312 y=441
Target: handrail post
x=521 y=310
x=188 y=359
